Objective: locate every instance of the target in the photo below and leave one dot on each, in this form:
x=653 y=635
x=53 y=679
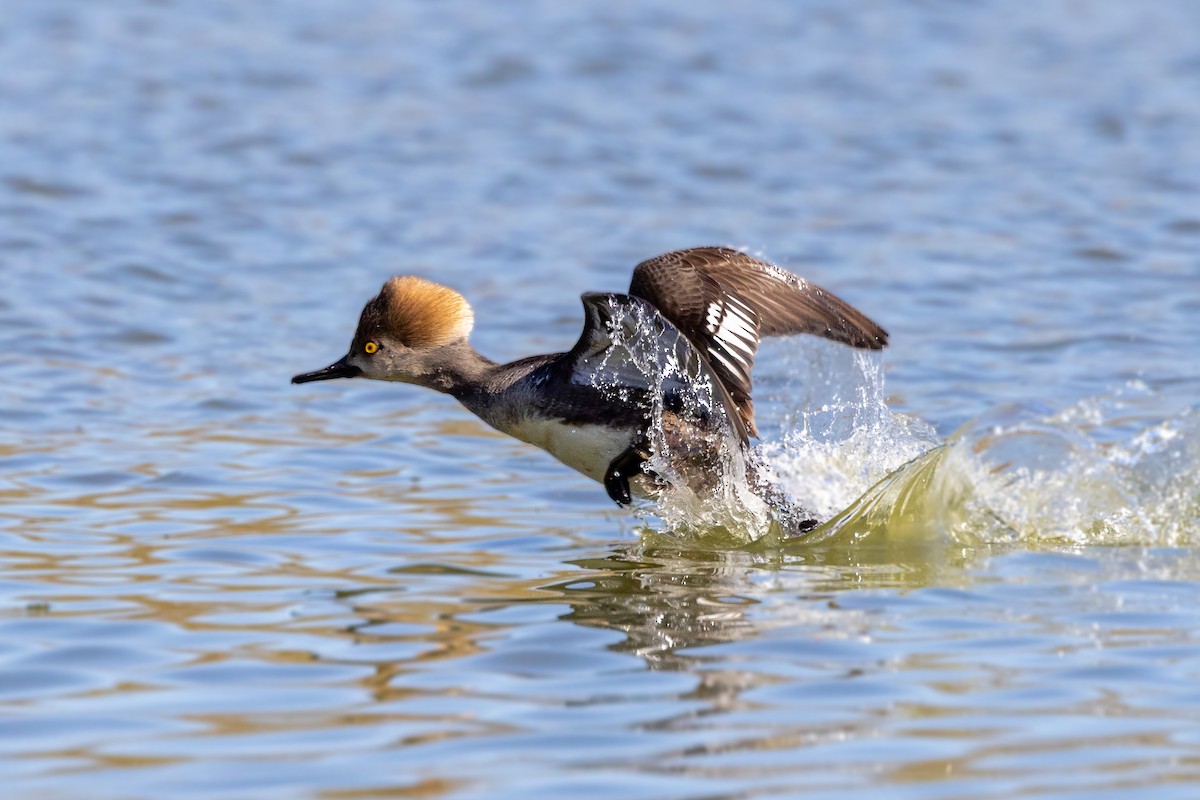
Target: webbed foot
x=622 y=468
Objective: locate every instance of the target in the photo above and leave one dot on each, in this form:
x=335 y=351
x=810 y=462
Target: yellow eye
x=370 y=347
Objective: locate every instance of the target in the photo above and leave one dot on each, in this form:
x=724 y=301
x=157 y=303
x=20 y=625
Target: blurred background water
x=216 y=584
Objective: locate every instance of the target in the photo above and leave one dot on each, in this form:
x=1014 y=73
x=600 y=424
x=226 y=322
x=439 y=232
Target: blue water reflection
x=216 y=584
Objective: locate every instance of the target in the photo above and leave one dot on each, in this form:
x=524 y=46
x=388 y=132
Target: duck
x=665 y=366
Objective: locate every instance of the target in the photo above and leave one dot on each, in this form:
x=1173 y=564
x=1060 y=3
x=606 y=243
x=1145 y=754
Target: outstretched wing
x=628 y=346
x=724 y=301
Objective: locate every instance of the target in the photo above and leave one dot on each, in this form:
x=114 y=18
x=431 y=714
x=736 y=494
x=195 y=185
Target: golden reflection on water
x=378 y=614
x=215 y=584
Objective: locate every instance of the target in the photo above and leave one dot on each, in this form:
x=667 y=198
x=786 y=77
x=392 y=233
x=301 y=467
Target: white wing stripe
x=747 y=348
x=719 y=356
x=736 y=324
x=713 y=317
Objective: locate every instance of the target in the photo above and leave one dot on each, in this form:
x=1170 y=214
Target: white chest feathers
x=586 y=448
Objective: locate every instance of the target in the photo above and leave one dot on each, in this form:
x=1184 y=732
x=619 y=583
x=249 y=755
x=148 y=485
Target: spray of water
x=1113 y=470
x=839 y=437
x=701 y=481
x=1103 y=471
x=1088 y=474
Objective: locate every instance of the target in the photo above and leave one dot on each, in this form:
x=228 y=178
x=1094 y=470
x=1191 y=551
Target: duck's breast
x=586 y=447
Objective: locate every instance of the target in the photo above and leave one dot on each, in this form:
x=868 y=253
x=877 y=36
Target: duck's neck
x=459 y=370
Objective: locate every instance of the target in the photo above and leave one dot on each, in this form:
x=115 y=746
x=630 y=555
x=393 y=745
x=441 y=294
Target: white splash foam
x=721 y=499
x=841 y=438
x=1109 y=470
x=1097 y=472
x=1100 y=472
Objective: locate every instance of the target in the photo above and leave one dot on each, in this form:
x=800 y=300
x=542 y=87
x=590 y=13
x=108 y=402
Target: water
x=217 y=584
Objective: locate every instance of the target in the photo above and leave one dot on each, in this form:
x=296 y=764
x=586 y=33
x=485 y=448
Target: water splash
x=839 y=438
x=1100 y=472
x=1119 y=469
x=700 y=480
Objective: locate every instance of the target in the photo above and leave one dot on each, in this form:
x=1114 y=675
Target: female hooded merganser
x=675 y=352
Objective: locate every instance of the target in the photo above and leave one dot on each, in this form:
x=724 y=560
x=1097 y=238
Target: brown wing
x=724 y=301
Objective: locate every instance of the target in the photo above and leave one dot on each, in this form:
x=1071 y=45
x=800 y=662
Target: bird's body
x=535 y=400
x=672 y=357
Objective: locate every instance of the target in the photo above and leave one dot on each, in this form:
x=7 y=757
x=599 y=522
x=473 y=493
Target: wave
x=1122 y=469
x=1116 y=470
x=1092 y=474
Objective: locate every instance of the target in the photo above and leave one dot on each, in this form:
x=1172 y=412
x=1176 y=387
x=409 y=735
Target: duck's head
x=402 y=334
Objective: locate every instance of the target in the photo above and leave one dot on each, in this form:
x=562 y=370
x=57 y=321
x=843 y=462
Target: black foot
x=622 y=468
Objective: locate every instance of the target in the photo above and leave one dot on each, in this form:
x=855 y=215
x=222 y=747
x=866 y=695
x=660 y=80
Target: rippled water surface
x=213 y=583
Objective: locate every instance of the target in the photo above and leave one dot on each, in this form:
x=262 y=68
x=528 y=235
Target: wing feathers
x=627 y=343
x=724 y=301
